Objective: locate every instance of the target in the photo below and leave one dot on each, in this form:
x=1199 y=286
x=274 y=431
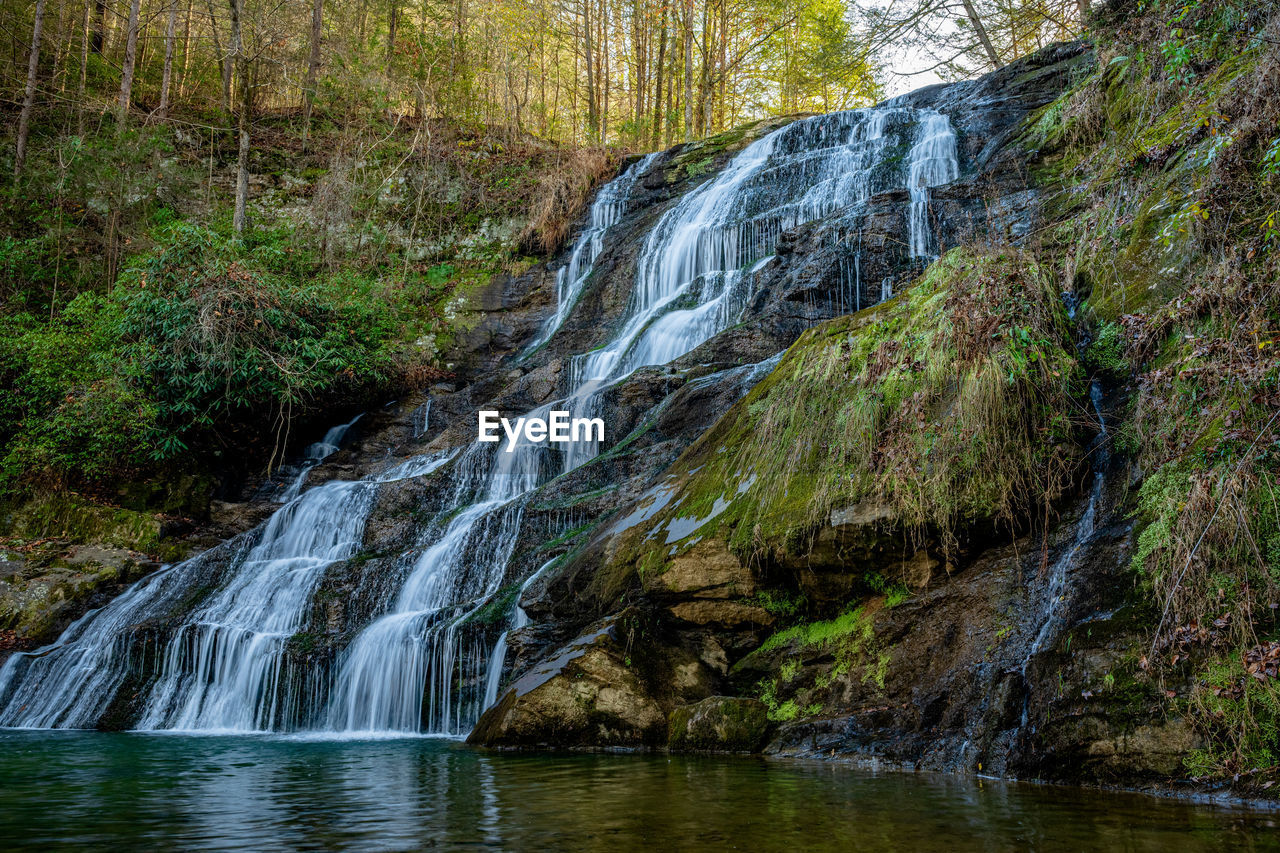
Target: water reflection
x=168 y=792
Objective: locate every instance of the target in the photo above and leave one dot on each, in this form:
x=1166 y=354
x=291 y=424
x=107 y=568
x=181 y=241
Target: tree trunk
x=724 y=65
x=603 y=65
x=126 y=70
x=393 y=22
x=224 y=60
x=100 y=26
x=186 y=52
x=167 y=78
x=670 y=101
x=85 y=42
x=29 y=96
x=592 y=114
x=242 y=123
x=1083 y=7
x=65 y=46
x=688 y=70
x=639 y=83
x=656 y=136
x=313 y=68
x=981 y=32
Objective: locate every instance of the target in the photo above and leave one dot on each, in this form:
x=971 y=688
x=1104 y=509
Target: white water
x=316 y=453
x=419 y=667
x=519 y=619
x=609 y=207
x=1054 y=598
x=933 y=163
x=220 y=670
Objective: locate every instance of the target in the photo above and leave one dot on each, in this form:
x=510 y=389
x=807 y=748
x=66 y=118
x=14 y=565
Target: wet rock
x=719 y=724
x=583 y=695
x=230 y=519
x=38 y=602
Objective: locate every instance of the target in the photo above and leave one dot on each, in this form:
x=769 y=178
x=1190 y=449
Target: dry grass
x=954 y=404
x=561 y=196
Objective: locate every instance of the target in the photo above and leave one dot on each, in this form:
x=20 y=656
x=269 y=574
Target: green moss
x=1106 y=354
x=71 y=517
x=565 y=537
x=824 y=634
x=947 y=418
x=498 y=609
x=848 y=640
x=779 y=603
x=304 y=643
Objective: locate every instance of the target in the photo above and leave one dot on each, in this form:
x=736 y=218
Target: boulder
x=585 y=694
x=719 y=724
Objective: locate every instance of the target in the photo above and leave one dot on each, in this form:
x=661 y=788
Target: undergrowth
x=951 y=404
x=1167 y=161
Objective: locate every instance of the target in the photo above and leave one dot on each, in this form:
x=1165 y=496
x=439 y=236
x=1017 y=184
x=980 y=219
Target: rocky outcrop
x=719 y=724
x=944 y=661
x=591 y=693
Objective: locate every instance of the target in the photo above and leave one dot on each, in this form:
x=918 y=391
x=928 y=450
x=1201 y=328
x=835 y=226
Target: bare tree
x=29 y=96
x=225 y=58
x=688 y=70
x=242 y=119
x=167 y=78
x=313 y=68
x=85 y=42
x=126 y=69
x=981 y=32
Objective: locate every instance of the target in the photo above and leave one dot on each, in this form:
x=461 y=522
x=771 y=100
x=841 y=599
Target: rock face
x=587 y=695
x=710 y=605
x=719 y=724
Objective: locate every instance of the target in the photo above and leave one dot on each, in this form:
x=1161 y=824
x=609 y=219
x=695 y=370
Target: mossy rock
x=947 y=405
x=719 y=724
x=71 y=517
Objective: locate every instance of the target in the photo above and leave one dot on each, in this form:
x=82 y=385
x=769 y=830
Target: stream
x=73 y=790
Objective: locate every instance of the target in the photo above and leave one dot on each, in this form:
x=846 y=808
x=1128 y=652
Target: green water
x=170 y=792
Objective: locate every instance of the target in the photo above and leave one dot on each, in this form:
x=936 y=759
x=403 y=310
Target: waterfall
x=316 y=453
x=424 y=664
x=519 y=619
x=221 y=668
x=608 y=208
x=933 y=163
x=422 y=419
x=1054 y=598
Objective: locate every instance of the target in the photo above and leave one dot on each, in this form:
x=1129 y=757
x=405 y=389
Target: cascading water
x=696 y=265
x=314 y=455
x=933 y=163
x=419 y=667
x=1054 y=598
x=221 y=669
x=609 y=207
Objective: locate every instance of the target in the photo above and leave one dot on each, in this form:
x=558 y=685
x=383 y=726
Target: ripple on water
x=141 y=791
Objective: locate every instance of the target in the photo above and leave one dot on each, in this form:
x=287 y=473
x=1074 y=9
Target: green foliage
x=946 y=412
x=781 y=604
x=498 y=609
x=823 y=634
x=779 y=710
x=1245 y=710
x=1165 y=160
x=848 y=640
x=202 y=339
x=1106 y=353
